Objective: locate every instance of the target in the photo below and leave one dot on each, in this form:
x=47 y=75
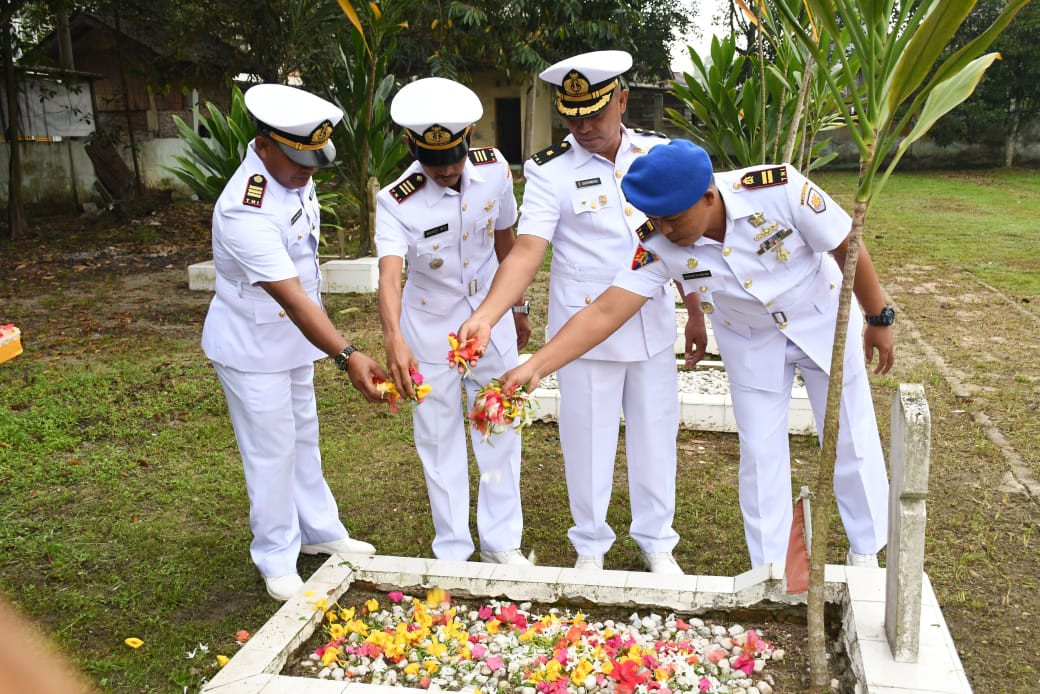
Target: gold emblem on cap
x=322 y=133
x=436 y=135
x=575 y=84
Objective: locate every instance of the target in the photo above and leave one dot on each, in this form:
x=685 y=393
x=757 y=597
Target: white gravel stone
x=778 y=654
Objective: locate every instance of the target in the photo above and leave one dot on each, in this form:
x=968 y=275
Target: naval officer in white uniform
x=266 y=326
x=451 y=216
x=763 y=248
x=573 y=200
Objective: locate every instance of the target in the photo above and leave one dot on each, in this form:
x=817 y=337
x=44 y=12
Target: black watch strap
x=343 y=357
x=885 y=318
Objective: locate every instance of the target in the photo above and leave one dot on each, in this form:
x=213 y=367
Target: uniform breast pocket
x=432 y=252
x=783 y=251
x=593 y=209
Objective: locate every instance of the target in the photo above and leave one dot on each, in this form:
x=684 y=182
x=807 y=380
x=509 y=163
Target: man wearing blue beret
x=763 y=248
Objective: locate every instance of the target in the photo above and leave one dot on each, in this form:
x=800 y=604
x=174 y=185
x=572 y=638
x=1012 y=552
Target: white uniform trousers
x=276 y=425
x=860 y=480
x=593 y=395
x=440 y=439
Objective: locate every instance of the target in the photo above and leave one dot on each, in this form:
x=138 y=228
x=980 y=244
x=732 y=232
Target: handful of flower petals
x=462 y=354
x=494 y=409
x=388 y=391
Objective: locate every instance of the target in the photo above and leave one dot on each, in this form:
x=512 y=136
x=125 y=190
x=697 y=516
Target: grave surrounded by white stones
x=893 y=630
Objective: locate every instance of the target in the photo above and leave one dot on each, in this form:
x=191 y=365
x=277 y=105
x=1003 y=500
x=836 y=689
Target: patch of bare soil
x=974 y=349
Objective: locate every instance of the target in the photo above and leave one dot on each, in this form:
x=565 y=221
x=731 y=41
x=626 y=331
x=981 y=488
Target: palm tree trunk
x=824 y=497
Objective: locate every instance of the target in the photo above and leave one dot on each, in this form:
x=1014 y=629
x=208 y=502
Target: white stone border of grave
x=872 y=602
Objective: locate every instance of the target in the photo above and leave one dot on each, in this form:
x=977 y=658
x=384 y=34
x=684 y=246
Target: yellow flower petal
x=222 y=660
x=134 y=642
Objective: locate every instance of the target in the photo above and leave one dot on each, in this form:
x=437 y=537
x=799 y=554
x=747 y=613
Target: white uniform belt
x=245 y=290
x=781 y=310
x=474 y=287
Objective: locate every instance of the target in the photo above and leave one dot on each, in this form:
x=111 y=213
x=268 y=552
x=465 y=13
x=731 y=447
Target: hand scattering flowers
x=494 y=410
x=388 y=391
x=462 y=354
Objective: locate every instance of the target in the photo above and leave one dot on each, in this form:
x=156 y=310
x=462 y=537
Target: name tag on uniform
x=696 y=275
x=434 y=231
x=296 y=216
x=587 y=182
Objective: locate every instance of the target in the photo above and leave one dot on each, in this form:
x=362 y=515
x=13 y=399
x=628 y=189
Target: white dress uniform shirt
x=573 y=200
x=771 y=289
x=448 y=241
x=263 y=232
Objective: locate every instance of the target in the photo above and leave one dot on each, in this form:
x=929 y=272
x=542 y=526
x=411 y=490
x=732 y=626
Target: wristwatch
x=885 y=318
x=523 y=309
x=343 y=357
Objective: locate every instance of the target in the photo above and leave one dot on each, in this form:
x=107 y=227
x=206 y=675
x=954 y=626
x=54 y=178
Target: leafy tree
x=901 y=84
x=1009 y=96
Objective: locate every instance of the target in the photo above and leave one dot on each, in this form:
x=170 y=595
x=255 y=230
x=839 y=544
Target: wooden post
x=373 y=189
x=909 y=454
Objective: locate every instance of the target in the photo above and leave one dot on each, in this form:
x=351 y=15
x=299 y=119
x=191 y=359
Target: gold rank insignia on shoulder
x=550 y=152
x=643 y=257
x=645 y=230
x=255 y=191
x=483 y=155
x=763 y=178
x=407 y=187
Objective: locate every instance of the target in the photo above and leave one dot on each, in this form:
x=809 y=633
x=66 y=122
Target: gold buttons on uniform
x=707 y=307
x=422 y=301
x=618 y=174
x=281 y=314
x=726 y=323
x=782 y=325
x=747 y=283
x=832 y=285
x=436 y=263
x=628 y=210
x=588 y=300
x=703 y=288
x=299 y=236
x=465 y=263
x=465 y=236
x=436 y=246
x=726 y=251
x=736 y=185
x=464 y=206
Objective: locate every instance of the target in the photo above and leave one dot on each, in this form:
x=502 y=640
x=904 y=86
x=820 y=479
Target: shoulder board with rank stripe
x=402 y=190
x=645 y=230
x=763 y=178
x=255 y=189
x=644 y=131
x=550 y=152
x=483 y=155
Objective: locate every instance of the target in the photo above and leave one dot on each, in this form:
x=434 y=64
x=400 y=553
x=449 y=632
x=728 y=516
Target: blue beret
x=668 y=179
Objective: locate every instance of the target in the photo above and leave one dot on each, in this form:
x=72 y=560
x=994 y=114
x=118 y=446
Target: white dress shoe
x=865 y=561
x=662 y=563
x=589 y=562
x=283 y=587
x=512 y=557
x=346 y=544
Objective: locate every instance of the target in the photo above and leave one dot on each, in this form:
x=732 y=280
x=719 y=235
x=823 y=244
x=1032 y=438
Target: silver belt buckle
x=473 y=286
x=778 y=317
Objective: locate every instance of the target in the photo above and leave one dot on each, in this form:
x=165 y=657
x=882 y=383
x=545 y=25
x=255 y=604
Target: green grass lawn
x=123 y=510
